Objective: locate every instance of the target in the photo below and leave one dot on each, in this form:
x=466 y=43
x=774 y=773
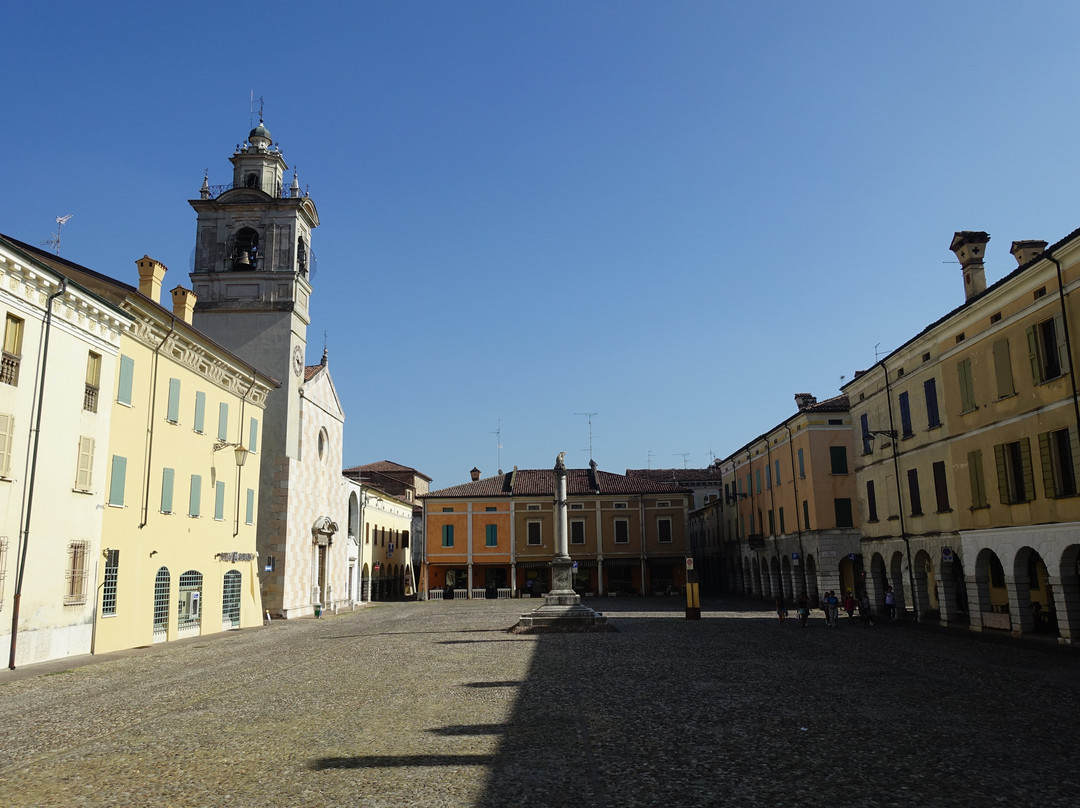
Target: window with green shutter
x=200 y=412
x=117 y=480
x=838 y=456
x=172 y=414
x=249 y=516
x=967 y=386
x=167 y=477
x=219 y=500
x=977 y=479
x=195 y=495
x=491 y=535
x=1003 y=369
x=223 y=421
x=126 y=380
x=447 y=535
x=253 y=435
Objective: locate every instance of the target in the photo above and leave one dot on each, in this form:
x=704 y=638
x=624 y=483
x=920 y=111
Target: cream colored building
x=969 y=447
x=178 y=554
x=787 y=521
x=60 y=350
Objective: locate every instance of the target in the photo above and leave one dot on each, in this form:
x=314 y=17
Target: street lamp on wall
x=238 y=451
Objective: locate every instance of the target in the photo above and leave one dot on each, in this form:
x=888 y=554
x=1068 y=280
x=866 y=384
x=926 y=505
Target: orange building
x=496 y=536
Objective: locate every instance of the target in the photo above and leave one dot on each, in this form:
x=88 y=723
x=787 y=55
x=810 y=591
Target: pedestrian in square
x=864 y=610
x=890 y=604
x=803 y=604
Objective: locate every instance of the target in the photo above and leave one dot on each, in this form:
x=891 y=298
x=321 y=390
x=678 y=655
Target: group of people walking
x=830 y=604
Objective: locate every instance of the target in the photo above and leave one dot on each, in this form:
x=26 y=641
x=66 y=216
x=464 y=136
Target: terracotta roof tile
x=541 y=482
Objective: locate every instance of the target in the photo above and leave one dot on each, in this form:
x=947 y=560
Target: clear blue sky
x=673 y=214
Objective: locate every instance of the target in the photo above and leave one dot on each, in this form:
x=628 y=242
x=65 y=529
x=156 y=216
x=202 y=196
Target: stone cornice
x=183 y=345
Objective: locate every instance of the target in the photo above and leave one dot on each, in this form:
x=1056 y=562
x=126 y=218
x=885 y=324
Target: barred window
x=108 y=589
x=75 y=589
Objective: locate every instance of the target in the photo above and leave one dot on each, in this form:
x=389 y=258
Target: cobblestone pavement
x=436 y=704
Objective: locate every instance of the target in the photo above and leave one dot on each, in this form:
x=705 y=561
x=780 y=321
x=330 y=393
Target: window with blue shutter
x=117 y=479
x=195 y=495
x=127 y=378
x=167 y=476
x=200 y=413
x=932 y=417
x=905 y=416
x=173 y=413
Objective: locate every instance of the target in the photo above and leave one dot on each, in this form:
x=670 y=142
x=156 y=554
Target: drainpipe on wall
x=46 y=328
x=899 y=498
x=148 y=455
x=795 y=485
x=1068 y=338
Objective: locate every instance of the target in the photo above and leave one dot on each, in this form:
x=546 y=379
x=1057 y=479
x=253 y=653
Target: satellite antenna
x=589 y=415
x=54 y=241
x=498 y=443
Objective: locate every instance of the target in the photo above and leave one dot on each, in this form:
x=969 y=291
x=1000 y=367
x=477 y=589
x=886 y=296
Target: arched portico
x=1032 y=597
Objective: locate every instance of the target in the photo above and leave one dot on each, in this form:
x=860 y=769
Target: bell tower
x=252 y=274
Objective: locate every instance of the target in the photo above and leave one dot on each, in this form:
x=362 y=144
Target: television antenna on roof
x=54 y=240
x=683 y=455
x=589 y=415
x=498 y=443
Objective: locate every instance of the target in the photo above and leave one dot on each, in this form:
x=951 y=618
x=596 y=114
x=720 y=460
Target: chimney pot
x=183 y=303
x=969 y=247
x=1024 y=251
x=151 y=275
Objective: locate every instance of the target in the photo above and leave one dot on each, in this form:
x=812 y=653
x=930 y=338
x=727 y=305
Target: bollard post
x=693 y=599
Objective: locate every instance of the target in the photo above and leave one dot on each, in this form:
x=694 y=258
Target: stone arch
x=954 y=595
x=365 y=583
x=1069 y=592
x=877 y=582
x=1036 y=610
x=926 y=594
x=755 y=576
x=354 y=518
x=993 y=596
x=785 y=573
x=775 y=586
x=748 y=578
x=896 y=581
x=245 y=250
x=162 y=603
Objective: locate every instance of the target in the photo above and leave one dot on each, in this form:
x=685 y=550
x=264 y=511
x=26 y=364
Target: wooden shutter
x=195 y=495
x=1045 y=455
x=1002 y=474
x=167 y=477
x=223 y=421
x=126 y=380
x=250 y=516
x=84 y=473
x=1033 y=356
x=253 y=435
x=173 y=413
x=200 y=412
x=7 y=429
x=117 y=480
x=219 y=500
x=1029 y=476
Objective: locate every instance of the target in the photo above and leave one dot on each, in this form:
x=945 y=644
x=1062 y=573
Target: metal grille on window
x=75 y=585
x=161 y=605
x=189 y=608
x=230 y=602
x=108 y=588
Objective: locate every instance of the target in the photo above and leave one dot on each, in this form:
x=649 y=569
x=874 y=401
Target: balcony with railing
x=90 y=398
x=9 y=368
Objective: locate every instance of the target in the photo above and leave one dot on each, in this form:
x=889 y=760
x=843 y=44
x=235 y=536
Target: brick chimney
x=183 y=303
x=151 y=275
x=969 y=247
x=475 y=474
x=1024 y=251
x=804 y=400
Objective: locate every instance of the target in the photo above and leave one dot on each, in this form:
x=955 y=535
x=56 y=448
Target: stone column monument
x=562 y=605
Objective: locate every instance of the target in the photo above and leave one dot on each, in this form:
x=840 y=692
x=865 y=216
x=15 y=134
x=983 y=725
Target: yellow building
x=787 y=521
x=977 y=418
x=181 y=488
x=627 y=534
